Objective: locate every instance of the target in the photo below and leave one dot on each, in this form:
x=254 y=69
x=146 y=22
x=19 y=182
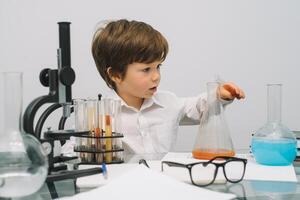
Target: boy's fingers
x=230 y=88
x=231 y=91
x=242 y=95
x=239 y=93
x=225 y=94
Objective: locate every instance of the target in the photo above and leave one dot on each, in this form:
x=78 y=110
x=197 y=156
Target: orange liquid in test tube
x=98 y=144
x=207 y=154
x=98 y=134
x=108 y=143
x=91 y=125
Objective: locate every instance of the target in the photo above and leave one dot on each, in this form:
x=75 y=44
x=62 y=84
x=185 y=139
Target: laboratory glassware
x=103 y=140
x=99 y=131
x=274 y=143
x=213 y=137
x=23 y=161
x=108 y=111
x=116 y=129
x=92 y=120
x=81 y=124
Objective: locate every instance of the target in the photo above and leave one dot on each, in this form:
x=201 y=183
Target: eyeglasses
x=205 y=173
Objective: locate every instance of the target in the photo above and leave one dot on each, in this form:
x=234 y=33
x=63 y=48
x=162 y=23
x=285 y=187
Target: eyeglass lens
x=234 y=170
x=205 y=174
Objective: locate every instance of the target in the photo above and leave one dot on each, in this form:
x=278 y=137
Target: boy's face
x=140 y=81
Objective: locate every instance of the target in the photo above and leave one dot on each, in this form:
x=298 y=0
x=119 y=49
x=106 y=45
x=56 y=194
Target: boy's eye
x=158 y=66
x=146 y=69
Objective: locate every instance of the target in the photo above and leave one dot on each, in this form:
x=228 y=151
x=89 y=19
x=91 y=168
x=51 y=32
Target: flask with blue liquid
x=274 y=143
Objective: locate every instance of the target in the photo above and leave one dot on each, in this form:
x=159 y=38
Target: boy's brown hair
x=124 y=42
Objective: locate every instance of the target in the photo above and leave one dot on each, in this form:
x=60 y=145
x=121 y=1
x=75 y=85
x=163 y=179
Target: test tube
x=116 y=125
x=80 y=125
x=108 y=128
x=98 y=133
x=92 y=123
x=116 y=117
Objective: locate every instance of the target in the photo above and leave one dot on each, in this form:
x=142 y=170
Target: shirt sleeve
x=193 y=108
x=196 y=108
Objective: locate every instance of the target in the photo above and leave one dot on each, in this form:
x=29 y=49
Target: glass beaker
x=213 y=137
x=23 y=162
x=274 y=144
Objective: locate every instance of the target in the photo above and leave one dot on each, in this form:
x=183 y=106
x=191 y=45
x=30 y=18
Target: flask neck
x=11 y=86
x=214 y=105
x=212 y=88
x=274 y=103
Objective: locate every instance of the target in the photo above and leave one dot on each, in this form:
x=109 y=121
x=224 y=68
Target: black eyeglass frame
x=190 y=166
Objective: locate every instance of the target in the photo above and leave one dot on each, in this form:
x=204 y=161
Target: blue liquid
x=274 y=152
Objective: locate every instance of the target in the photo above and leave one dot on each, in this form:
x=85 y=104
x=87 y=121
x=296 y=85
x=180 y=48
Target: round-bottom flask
x=274 y=144
x=23 y=162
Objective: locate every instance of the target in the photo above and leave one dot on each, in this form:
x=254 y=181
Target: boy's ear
x=113 y=77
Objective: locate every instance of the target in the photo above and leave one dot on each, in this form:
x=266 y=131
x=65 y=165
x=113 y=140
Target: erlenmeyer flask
x=23 y=163
x=213 y=137
x=274 y=143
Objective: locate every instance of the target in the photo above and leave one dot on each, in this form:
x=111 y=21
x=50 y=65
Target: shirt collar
x=146 y=104
x=153 y=101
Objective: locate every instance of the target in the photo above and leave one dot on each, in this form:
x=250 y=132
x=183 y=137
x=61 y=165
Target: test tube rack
x=94 y=148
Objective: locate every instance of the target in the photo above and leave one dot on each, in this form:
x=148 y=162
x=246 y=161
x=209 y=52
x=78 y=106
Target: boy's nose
x=156 y=76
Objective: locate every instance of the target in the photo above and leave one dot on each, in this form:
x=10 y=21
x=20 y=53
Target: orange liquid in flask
x=207 y=154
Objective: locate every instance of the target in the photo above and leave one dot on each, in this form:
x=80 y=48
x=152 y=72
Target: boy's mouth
x=153 y=89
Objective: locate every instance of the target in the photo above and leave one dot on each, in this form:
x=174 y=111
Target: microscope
x=60 y=82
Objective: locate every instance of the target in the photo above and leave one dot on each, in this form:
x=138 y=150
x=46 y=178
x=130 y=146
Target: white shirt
x=153 y=128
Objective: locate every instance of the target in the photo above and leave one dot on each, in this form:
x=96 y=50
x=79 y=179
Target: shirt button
x=143 y=133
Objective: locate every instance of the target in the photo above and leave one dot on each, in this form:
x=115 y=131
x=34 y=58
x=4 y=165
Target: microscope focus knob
x=47 y=147
x=44 y=77
x=67 y=76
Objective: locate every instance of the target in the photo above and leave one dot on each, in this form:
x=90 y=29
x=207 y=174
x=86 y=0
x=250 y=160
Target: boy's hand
x=229 y=91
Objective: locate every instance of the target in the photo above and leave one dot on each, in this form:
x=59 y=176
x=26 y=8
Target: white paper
x=116 y=170
x=113 y=171
x=97 y=180
x=143 y=183
x=255 y=171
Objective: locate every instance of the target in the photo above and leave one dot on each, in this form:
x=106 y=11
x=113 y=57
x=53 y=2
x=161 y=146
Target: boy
x=128 y=56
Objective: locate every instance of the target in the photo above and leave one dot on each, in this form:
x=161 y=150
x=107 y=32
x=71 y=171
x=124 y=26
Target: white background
x=250 y=43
